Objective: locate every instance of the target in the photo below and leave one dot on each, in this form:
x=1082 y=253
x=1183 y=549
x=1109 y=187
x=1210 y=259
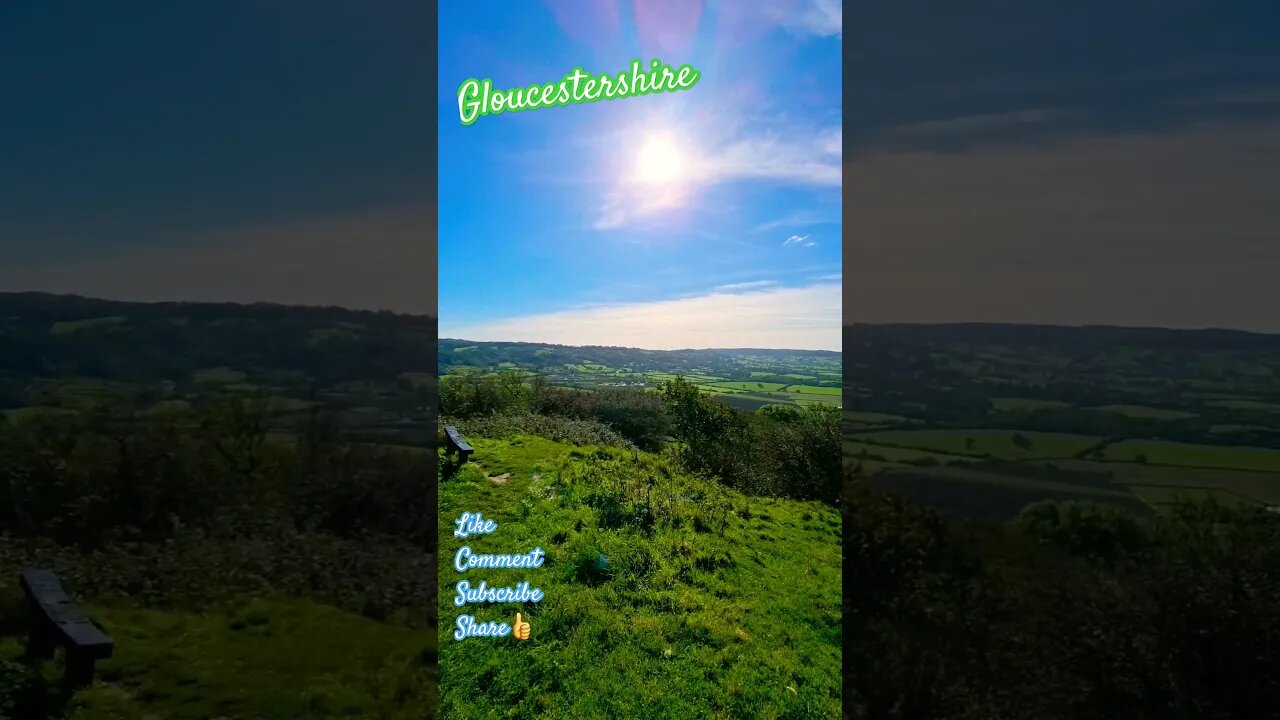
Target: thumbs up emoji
x=520 y=629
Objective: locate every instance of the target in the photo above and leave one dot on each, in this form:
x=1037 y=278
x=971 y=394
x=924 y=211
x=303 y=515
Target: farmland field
x=1105 y=414
x=1160 y=452
x=746 y=379
x=1001 y=444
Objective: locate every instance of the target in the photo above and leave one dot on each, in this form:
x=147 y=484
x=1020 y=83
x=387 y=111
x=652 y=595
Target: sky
x=1091 y=162
x=1084 y=162
x=219 y=150
x=709 y=217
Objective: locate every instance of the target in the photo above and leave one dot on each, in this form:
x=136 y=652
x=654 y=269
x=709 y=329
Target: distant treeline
x=541 y=356
x=139 y=343
x=779 y=451
x=1091 y=338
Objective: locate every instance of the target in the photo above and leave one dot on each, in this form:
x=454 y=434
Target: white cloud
x=798 y=156
x=803 y=318
x=799 y=241
x=796 y=219
x=754 y=284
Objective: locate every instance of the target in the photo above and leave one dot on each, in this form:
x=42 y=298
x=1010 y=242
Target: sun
x=659 y=161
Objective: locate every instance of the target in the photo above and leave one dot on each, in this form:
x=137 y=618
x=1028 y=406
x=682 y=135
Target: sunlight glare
x=659 y=161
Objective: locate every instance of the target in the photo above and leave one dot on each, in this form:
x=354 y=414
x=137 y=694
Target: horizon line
x=630 y=347
x=844 y=325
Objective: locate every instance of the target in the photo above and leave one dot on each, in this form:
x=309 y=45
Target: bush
x=96 y=478
x=560 y=429
x=1098 y=531
x=952 y=619
x=470 y=393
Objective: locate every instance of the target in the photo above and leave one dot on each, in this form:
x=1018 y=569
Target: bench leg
x=79 y=671
x=40 y=643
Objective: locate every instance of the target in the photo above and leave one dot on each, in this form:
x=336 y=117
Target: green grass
x=1143 y=411
x=747 y=386
x=756 y=400
x=666 y=595
x=1245 y=405
x=997 y=443
x=967 y=475
x=693 y=378
x=856 y=449
x=1163 y=452
x=815 y=390
x=265 y=659
x=68 y=327
x=1221 y=429
x=1007 y=404
x=871 y=418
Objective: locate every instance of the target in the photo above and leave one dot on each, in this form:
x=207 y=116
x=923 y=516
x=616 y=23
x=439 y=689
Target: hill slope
x=666 y=595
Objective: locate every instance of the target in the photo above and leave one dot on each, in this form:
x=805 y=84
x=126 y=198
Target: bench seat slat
x=455 y=439
x=63 y=616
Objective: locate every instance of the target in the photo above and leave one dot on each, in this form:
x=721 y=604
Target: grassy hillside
x=666 y=595
x=257 y=658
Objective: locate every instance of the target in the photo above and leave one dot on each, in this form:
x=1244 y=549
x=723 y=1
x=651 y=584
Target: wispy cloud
x=797 y=219
x=754 y=284
x=804 y=318
x=800 y=241
x=834 y=277
x=796 y=156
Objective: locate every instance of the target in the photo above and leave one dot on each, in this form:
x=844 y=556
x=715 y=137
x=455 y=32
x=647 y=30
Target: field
x=747 y=379
x=720 y=605
x=985 y=419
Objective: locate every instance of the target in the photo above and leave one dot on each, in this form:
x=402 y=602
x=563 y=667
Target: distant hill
x=1078 y=336
x=44 y=335
x=465 y=353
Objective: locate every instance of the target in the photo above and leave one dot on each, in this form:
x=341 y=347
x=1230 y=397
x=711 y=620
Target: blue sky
x=219 y=150
x=549 y=232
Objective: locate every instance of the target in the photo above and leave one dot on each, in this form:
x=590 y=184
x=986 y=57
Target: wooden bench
x=456 y=443
x=59 y=621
